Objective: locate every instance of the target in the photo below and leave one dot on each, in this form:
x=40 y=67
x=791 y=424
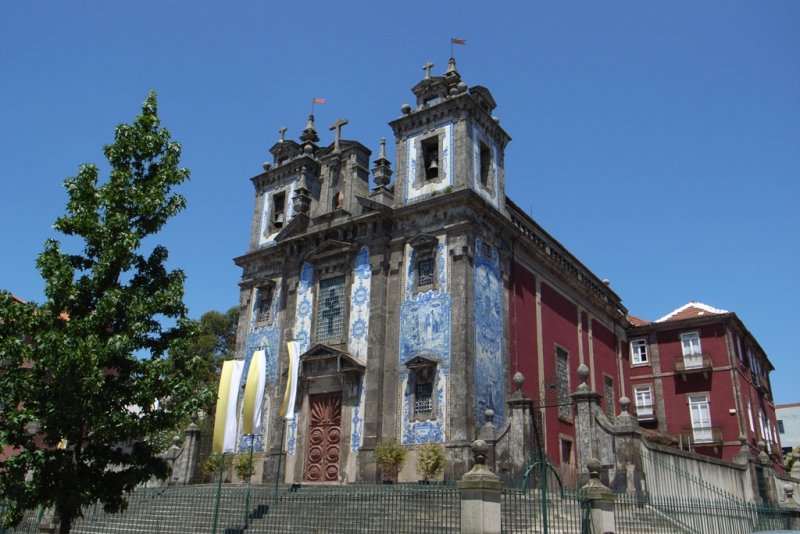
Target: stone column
x=585 y=401
x=601 y=500
x=187 y=462
x=522 y=438
x=480 y=495
x=790 y=507
x=769 y=473
x=488 y=433
x=628 y=460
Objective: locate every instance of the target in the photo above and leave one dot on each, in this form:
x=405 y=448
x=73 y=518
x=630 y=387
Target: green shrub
x=244 y=466
x=431 y=461
x=390 y=456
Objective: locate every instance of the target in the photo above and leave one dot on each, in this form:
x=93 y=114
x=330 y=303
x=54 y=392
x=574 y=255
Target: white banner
x=254 y=394
x=289 y=396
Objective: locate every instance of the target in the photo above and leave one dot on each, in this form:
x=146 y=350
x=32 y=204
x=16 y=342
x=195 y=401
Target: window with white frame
x=750 y=417
x=701 y=418
x=644 y=401
x=739 y=348
x=639 y=351
x=562 y=382
x=692 y=355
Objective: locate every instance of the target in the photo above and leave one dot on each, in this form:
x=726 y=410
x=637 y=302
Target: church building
x=415 y=302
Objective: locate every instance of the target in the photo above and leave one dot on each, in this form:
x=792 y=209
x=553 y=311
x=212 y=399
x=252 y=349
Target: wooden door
x=324 y=430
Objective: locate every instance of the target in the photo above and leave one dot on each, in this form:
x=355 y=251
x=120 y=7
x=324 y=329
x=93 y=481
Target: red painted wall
x=522 y=327
x=604 y=348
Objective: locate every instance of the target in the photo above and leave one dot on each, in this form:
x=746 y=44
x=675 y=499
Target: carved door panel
x=324 y=430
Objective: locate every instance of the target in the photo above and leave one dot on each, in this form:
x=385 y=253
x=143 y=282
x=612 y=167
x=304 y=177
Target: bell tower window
x=486 y=166
x=430 y=158
x=278 y=210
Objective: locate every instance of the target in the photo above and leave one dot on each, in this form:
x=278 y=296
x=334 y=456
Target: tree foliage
x=105 y=361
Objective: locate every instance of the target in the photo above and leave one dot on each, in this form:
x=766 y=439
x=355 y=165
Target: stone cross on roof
x=282 y=131
x=427 y=68
x=338 y=127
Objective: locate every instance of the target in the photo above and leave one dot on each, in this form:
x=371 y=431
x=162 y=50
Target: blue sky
x=658 y=141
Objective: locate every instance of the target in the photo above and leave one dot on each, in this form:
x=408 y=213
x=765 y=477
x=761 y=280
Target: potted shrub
x=431 y=461
x=212 y=466
x=391 y=457
x=244 y=466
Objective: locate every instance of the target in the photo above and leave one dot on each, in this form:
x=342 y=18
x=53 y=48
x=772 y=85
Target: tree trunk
x=65 y=521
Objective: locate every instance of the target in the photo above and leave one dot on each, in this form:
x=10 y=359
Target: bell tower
x=449 y=141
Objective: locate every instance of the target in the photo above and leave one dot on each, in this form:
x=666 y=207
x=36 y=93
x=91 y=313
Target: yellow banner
x=291 y=382
x=218 y=441
x=251 y=392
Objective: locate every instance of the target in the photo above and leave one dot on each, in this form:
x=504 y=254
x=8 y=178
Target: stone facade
x=401 y=297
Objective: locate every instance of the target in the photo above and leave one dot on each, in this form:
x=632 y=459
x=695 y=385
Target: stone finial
x=593 y=465
x=488 y=413
x=583 y=375
x=451 y=68
x=788 y=491
x=479 y=451
x=519 y=380
x=624 y=405
x=583 y=372
x=282 y=133
x=427 y=68
x=309 y=134
x=382 y=171
x=176 y=441
x=382 y=153
x=742 y=440
x=405 y=109
x=762 y=454
x=266 y=165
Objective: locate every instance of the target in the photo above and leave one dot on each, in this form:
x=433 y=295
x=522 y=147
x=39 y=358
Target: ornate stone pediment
x=421 y=362
x=328 y=249
x=325 y=361
x=422 y=241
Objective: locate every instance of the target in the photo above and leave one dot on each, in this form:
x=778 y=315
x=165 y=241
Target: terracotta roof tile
x=637 y=321
x=690 y=311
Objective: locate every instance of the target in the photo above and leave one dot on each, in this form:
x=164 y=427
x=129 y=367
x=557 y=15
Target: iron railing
x=668 y=515
x=367 y=508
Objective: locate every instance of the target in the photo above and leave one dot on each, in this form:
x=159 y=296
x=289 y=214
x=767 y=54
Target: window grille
x=330 y=320
x=562 y=382
x=425 y=272
x=264 y=304
x=423 y=398
x=486 y=250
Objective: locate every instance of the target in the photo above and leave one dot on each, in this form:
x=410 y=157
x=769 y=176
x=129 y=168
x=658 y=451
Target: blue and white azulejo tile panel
x=425 y=330
x=358 y=337
x=266 y=338
x=488 y=325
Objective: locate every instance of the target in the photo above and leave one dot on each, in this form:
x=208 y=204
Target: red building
x=560 y=316
x=700 y=380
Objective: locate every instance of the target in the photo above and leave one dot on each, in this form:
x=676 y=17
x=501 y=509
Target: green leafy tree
x=104 y=362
